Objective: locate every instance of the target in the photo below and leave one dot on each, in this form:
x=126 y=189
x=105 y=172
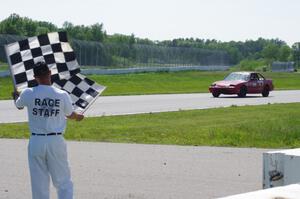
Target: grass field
x=264 y=126
x=3 y=66
x=165 y=82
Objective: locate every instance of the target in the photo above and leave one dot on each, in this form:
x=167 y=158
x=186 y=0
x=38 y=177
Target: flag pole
x=10 y=67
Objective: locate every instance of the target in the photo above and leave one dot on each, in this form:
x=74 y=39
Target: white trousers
x=47 y=156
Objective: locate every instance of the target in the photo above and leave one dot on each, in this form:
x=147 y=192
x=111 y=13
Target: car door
x=260 y=82
x=254 y=84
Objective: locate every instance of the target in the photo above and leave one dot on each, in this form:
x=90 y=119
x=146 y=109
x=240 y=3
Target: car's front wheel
x=266 y=92
x=243 y=91
x=216 y=94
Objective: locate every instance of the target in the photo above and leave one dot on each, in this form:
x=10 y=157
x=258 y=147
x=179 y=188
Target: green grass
x=3 y=67
x=157 y=83
x=165 y=82
x=285 y=81
x=264 y=126
x=6 y=88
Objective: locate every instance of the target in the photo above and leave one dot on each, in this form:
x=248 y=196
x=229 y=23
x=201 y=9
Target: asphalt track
x=122 y=105
x=135 y=171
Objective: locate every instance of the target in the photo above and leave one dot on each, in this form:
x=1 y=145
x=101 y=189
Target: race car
x=241 y=83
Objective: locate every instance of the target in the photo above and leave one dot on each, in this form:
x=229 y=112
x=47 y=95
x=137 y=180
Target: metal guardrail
x=4 y=73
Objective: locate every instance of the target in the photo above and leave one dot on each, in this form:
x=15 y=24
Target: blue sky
x=223 y=20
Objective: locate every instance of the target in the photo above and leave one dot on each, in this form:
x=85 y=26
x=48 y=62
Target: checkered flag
x=56 y=52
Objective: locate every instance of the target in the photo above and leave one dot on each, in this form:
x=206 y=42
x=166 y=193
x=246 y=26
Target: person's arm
x=76 y=116
x=18 y=100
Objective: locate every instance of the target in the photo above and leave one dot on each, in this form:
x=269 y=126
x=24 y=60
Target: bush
x=252 y=65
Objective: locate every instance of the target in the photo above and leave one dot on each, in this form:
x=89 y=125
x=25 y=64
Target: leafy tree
x=24 y=26
x=271 y=52
x=284 y=53
x=12 y=25
x=97 y=32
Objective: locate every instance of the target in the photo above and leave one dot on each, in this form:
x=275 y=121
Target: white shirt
x=47 y=108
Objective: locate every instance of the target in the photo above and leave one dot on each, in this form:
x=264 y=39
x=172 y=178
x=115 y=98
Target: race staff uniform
x=47 y=109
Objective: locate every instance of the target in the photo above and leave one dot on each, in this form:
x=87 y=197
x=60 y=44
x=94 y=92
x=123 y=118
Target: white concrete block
x=281 y=168
x=284 y=192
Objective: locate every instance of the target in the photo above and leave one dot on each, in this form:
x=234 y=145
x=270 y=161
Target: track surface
x=134 y=171
x=122 y=105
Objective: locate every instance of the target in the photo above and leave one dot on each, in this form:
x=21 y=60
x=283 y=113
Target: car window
x=261 y=77
x=237 y=76
x=254 y=77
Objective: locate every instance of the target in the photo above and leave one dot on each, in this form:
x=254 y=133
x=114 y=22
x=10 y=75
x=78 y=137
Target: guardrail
x=4 y=73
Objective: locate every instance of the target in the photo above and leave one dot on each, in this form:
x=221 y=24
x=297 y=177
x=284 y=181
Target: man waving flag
x=56 y=52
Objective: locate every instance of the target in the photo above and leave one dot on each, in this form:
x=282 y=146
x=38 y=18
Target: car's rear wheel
x=266 y=92
x=243 y=91
x=216 y=94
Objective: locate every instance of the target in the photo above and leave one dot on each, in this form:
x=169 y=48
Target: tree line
x=125 y=45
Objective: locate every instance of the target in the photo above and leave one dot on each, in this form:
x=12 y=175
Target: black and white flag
x=56 y=52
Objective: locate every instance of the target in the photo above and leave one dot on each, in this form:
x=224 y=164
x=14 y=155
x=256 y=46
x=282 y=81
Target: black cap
x=40 y=69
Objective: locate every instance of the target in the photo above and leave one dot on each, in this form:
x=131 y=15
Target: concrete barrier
x=281 y=168
x=285 y=192
x=281 y=176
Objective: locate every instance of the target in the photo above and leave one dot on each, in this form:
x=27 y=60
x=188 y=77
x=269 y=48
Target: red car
x=241 y=83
